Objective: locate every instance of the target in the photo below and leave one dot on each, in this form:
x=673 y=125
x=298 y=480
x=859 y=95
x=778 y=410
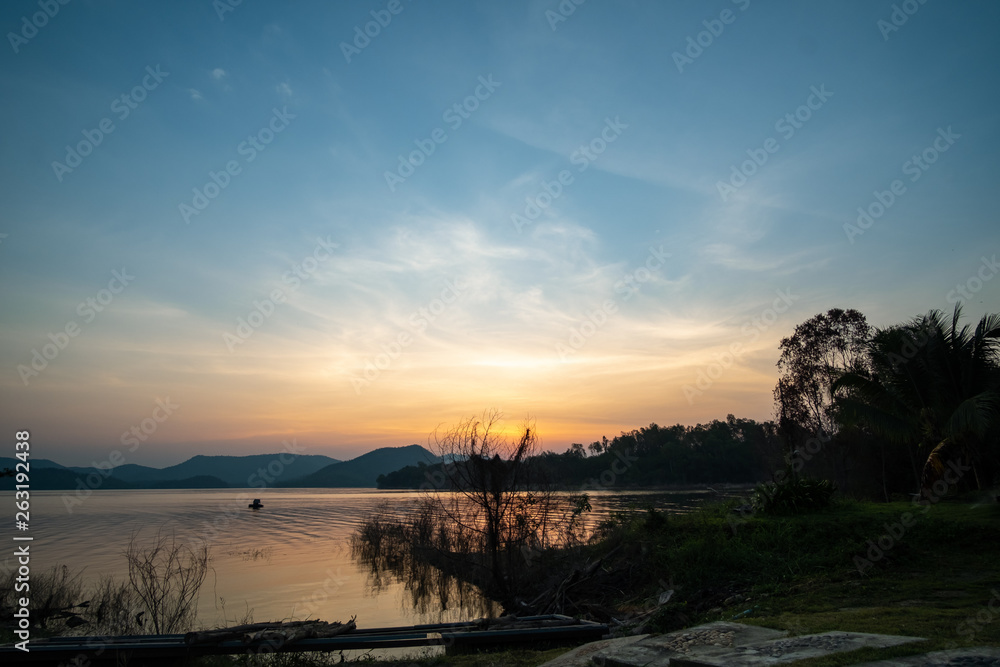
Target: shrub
x=166 y=576
x=114 y=609
x=793 y=496
x=55 y=598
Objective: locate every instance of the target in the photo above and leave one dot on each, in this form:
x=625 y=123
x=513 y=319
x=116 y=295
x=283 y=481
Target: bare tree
x=489 y=472
x=167 y=575
x=483 y=524
x=115 y=609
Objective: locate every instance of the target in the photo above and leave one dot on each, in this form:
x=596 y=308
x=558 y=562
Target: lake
x=289 y=560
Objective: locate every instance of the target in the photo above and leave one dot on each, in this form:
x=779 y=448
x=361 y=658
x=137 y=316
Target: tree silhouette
x=932 y=385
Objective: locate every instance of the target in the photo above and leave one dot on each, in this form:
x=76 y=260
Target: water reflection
x=438 y=549
x=291 y=560
x=391 y=545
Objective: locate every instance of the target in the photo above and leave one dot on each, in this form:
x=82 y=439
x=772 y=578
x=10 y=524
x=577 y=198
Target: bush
x=55 y=598
x=114 y=609
x=159 y=596
x=793 y=496
x=166 y=576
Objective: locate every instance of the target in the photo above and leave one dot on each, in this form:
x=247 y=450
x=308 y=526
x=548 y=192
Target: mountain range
x=205 y=472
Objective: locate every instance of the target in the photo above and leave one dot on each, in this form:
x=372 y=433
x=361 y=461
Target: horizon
x=294 y=447
x=352 y=224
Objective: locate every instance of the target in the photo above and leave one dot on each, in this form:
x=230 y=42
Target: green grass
x=508 y=658
x=795 y=573
x=931 y=583
x=798 y=573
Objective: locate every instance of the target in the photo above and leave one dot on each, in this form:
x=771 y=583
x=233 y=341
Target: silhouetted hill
x=198 y=472
x=199 y=482
x=56 y=479
x=365 y=469
x=234 y=471
x=8 y=462
x=137 y=474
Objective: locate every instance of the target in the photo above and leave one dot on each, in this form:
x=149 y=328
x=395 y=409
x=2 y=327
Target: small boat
x=256 y=504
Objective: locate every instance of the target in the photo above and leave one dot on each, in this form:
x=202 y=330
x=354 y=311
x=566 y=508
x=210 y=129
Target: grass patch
x=508 y=658
x=797 y=573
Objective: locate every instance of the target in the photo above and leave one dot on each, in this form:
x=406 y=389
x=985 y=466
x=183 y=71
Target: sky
x=228 y=225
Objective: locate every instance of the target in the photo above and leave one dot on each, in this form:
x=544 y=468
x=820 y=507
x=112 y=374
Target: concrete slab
x=582 y=656
x=659 y=650
x=985 y=656
x=781 y=651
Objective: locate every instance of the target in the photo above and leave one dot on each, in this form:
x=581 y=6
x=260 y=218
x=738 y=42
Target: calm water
x=290 y=560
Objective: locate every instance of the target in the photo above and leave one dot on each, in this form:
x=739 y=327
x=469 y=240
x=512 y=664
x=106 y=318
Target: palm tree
x=932 y=384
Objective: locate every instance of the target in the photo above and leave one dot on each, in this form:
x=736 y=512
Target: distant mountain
x=137 y=474
x=67 y=479
x=198 y=472
x=206 y=472
x=55 y=479
x=235 y=471
x=199 y=482
x=365 y=469
x=8 y=462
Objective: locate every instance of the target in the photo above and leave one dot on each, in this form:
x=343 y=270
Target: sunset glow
x=288 y=235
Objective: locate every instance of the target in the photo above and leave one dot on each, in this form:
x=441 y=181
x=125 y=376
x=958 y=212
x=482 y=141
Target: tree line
x=737 y=451
x=873 y=412
x=880 y=412
x=911 y=408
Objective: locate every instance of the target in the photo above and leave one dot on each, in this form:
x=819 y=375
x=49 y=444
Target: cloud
x=195 y=94
x=284 y=89
x=218 y=73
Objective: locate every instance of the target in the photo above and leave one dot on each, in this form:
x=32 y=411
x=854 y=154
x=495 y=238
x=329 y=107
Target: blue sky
x=401 y=308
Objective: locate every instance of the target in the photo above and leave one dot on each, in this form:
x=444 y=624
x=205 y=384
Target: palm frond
x=974 y=415
x=934 y=467
x=894 y=427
